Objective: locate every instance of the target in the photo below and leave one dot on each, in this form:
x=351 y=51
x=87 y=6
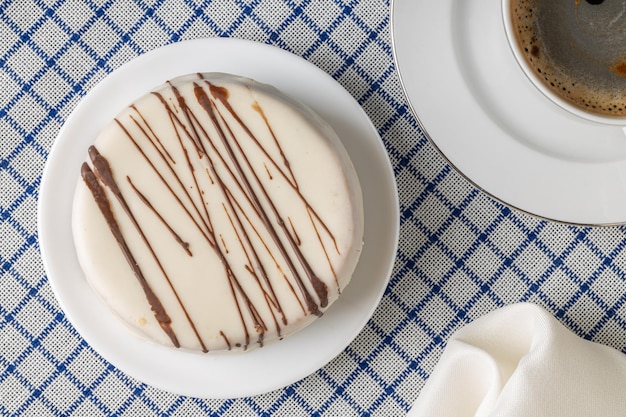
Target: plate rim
x=46 y=229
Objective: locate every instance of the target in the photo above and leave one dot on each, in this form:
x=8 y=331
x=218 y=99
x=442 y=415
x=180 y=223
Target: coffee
x=577 y=49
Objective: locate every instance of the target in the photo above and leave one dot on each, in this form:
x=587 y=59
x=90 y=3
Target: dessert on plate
x=217 y=214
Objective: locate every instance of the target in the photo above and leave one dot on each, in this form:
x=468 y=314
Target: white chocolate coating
x=239 y=207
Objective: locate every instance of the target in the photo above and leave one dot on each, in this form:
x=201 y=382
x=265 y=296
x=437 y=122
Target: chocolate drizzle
x=99 y=195
x=213 y=139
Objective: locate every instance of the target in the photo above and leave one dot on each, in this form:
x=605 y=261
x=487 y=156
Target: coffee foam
x=576 y=49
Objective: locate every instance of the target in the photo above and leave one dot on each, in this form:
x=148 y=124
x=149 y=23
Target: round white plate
x=220 y=375
x=488 y=120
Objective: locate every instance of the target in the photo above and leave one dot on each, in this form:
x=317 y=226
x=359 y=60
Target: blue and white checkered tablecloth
x=461 y=253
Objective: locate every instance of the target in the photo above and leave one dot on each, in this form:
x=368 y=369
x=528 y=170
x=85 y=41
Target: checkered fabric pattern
x=461 y=253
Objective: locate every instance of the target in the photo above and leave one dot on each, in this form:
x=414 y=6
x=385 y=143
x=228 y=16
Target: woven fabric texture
x=461 y=253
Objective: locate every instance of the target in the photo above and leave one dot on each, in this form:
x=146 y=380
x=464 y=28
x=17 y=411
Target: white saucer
x=225 y=375
x=494 y=126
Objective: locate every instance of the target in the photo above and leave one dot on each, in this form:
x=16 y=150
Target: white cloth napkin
x=520 y=361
